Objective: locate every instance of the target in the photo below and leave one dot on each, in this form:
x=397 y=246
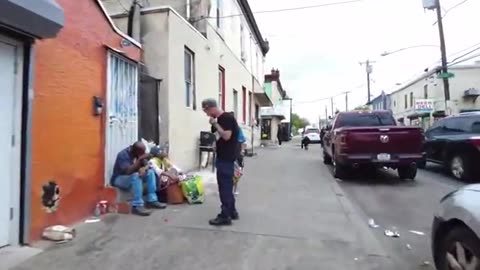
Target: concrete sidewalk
x=293 y=216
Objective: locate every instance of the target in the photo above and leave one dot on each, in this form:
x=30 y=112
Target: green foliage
x=298 y=123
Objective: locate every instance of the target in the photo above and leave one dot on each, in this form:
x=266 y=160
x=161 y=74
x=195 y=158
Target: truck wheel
x=326 y=159
x=422 y=164
x=339 y=171
x=407 y=172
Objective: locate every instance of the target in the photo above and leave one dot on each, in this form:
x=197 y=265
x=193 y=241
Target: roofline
x=253 y=24
x=431 y=72
x=112 y=24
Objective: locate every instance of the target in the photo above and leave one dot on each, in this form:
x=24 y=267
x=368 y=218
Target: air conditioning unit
x=472 y=92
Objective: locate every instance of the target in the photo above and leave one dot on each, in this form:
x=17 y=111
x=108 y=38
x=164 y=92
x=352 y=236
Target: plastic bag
x=237 y=173
x=192 y=189
x=59 y=233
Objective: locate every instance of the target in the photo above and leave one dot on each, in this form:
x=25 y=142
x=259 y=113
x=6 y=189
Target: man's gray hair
x=209 y=103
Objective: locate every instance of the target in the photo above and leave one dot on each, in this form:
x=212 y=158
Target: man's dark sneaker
x=220 y=221
x=235 y=216
x=140 y=211
x=156 y=205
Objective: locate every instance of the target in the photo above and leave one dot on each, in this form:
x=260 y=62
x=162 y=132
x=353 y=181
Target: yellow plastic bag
x=193 y=190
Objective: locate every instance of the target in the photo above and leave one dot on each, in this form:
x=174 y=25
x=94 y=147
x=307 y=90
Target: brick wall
x=67 y=140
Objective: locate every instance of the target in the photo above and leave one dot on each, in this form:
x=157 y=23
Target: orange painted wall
x=67 y=140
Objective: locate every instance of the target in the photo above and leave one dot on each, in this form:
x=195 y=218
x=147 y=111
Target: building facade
x=17 y=59
x=199 y=50
x=273 y=116
x=428 y=89
x=79 y=108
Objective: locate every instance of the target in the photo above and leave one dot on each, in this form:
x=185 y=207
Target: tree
x=298 y=123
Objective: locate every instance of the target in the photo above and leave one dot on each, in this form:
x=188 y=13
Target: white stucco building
x=464 y=90
x=196 y=50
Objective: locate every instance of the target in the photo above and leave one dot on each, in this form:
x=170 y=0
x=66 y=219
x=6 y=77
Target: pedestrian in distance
x=226 y=126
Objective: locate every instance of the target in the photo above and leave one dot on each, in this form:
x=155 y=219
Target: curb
x=369 y=244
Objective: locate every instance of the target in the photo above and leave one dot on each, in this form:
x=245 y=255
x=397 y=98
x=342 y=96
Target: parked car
x=372 y=139
x=313 y=135
x=456 y=230
x=454 y=142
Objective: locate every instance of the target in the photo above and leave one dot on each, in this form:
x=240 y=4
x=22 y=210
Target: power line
x=450 y=9
x=464 y=60
x=465 y=54
x=286 y=9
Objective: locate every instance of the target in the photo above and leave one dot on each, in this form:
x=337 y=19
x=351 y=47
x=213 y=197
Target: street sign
x=446 y=75
x=424 y=105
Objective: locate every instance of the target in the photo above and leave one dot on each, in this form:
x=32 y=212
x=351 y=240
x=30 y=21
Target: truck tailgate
x=385 y=139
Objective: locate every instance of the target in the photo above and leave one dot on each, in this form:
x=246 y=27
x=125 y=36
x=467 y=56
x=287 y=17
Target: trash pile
x=392 y=232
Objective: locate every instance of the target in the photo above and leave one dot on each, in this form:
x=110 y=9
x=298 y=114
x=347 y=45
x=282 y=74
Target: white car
x=313 y=135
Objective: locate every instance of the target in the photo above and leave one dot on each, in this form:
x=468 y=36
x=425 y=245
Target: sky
x=318 y=50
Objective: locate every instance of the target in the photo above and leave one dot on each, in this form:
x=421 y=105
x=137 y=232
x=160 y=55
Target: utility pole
x=331 y=103
x=446 y=84
x=346 y=101
x=326 y=114
x=368 y=69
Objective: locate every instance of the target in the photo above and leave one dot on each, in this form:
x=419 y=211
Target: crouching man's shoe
x=156 y=205
x=220 y=221
x=140 y=211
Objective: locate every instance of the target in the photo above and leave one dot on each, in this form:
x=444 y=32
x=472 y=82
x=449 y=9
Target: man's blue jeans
x=135 y=183
x=225 y=171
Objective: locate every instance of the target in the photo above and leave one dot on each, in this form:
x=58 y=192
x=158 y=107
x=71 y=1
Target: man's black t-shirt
x=227 y=150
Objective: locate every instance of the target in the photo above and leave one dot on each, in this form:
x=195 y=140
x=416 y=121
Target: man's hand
x=212 y=121
x=142 y=171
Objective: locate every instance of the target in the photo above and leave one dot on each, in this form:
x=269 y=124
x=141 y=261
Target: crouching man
x=130 y=171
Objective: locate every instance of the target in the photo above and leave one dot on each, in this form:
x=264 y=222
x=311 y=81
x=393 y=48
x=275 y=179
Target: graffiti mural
x=50 y=196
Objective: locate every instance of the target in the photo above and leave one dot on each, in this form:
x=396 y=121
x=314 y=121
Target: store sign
x=423 y=105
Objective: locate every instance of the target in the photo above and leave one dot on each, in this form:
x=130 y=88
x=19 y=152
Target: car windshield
x=365 y=120
x=312 y=130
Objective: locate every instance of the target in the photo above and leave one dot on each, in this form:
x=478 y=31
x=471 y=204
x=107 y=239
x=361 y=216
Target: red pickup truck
x=372 y=139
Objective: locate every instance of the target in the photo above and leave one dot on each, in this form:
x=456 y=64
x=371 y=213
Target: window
x=219 y=13
x=394 y=103
x=406 y=101
x=365 y=120
x=411 y=99
x=189 y=71
x=250 y=108
x=457 y=125
x=242 y=43
x=235 y=102
x=425 y=91
x=221 y=87
x=244 y=104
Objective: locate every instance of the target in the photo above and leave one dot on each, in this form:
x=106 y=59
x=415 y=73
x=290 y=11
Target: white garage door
x=8 y=54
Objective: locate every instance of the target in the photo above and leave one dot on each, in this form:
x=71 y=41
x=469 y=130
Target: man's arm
x=128 y=168
x=224 y=133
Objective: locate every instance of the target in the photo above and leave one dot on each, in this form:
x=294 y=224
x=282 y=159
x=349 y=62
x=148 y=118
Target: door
x=148 y=109
x=8 y=162
x=121 y=108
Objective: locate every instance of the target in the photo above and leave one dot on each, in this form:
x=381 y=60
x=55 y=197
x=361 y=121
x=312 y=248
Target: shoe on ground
x=156 y=205
x=235 y=216
x=140 y=211
x=220 y=221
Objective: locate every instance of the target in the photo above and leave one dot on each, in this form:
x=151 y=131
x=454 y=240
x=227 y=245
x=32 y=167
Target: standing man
x=227 y=128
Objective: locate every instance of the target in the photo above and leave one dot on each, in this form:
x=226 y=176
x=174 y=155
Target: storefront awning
x=37 y=18
x=263 y=100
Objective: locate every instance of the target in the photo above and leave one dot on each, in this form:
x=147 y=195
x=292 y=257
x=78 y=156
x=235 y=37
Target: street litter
x=408 y=246
x=391 y=233
x=417 y=232
x=92 y=220
x=59 y=233
x=372 y=224
x=425 y=263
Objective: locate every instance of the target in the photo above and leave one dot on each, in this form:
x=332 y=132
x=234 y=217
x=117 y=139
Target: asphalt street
x=397 y=205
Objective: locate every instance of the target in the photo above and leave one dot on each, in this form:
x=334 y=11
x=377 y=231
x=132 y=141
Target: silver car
x=455 y=230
